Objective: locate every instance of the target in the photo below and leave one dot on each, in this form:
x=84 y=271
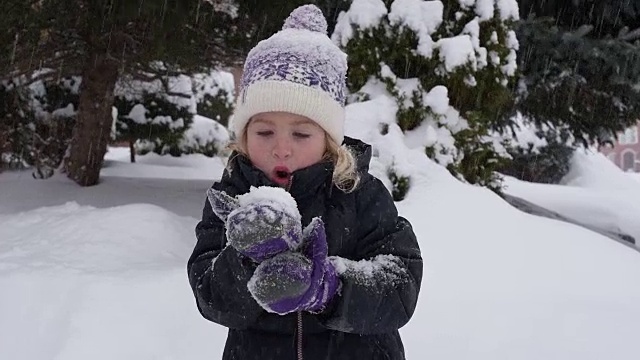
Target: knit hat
x=297 y=70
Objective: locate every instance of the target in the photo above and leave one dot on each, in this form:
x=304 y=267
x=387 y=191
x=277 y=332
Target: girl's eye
x=300 y=135
x=264 y=133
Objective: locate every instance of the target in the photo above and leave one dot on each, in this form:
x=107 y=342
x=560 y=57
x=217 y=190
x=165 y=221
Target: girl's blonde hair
x=345 y=172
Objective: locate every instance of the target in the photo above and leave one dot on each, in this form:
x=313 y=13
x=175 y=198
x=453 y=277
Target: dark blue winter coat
x=360 y=323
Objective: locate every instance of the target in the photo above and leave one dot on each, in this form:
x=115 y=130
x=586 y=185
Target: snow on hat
x=297 y=70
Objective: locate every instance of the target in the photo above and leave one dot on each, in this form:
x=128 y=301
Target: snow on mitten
x=291 y=282
x=260 y=224
x=280 y=283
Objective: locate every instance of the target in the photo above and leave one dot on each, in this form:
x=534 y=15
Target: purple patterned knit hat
x=297 y=70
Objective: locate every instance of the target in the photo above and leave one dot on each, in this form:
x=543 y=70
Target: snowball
x=279 y=198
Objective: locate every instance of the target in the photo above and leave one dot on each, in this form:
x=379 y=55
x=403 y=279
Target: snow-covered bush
x=205 y=136
x=448 y=65
x=36 y=122
x=160 y=116
x=539 y=153
x=155 y=112
x=214 y=95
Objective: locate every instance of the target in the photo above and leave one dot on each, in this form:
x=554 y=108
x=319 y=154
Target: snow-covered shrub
x=181 y=115
x=153 y=112
x=37 y=121
x=214 y=95
x=448 y=65
x=205 y=136
x=400 y=185
x=539 y=153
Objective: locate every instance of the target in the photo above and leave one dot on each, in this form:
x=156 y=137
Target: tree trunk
x=236 y=71
x=132 y=151
x=93 y=124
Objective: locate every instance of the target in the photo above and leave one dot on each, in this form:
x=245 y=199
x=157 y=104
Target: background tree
x=448 y=67
x=36 y=122
x=580 y=64
x=102 y=40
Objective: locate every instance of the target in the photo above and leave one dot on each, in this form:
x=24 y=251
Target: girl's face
x=279 y=143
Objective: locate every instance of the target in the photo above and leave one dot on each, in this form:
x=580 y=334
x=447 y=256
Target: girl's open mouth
x=281 y=175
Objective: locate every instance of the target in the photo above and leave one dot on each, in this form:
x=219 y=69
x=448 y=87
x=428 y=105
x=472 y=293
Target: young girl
x=342 y=287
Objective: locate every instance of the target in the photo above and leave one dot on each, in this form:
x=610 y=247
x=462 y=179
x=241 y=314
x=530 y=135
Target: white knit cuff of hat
x=286 y=96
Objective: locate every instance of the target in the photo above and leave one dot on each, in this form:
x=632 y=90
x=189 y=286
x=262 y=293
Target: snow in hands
x=275 y=196
x=260 y=223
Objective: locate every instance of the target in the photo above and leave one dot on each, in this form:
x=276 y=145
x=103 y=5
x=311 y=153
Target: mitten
x=291 y=282
x=261 y=223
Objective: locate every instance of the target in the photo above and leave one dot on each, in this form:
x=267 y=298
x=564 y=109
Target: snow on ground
x=100 y=272
x=79 y=280
x=501 y=284
x=152 y=165
x=595 y=191
x=172 y=183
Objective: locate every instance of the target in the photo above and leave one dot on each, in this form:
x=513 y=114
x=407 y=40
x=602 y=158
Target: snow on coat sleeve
x=218 y=275
x=380 y=286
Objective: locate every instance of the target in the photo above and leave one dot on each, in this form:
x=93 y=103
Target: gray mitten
x=292 y=282
x=261 y=223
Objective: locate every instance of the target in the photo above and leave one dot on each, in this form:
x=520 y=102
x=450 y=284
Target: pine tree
x=146 y=111
x=580 y=63
x=103 y=40
x=214 y=95
x=36 y=122
x=448 y=65
x=106 y=39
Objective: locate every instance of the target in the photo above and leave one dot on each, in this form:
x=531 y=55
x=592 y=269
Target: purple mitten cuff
x=329 y=286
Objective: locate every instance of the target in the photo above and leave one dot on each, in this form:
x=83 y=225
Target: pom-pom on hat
x=297 y=70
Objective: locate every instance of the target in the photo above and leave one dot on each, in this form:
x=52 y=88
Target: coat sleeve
x=218 y=276
x=380 y=285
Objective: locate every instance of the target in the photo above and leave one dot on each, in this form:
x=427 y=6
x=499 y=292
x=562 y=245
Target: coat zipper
x=300 y=357
x=299 y=332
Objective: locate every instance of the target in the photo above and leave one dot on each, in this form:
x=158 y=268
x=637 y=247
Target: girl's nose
x=282 y=148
